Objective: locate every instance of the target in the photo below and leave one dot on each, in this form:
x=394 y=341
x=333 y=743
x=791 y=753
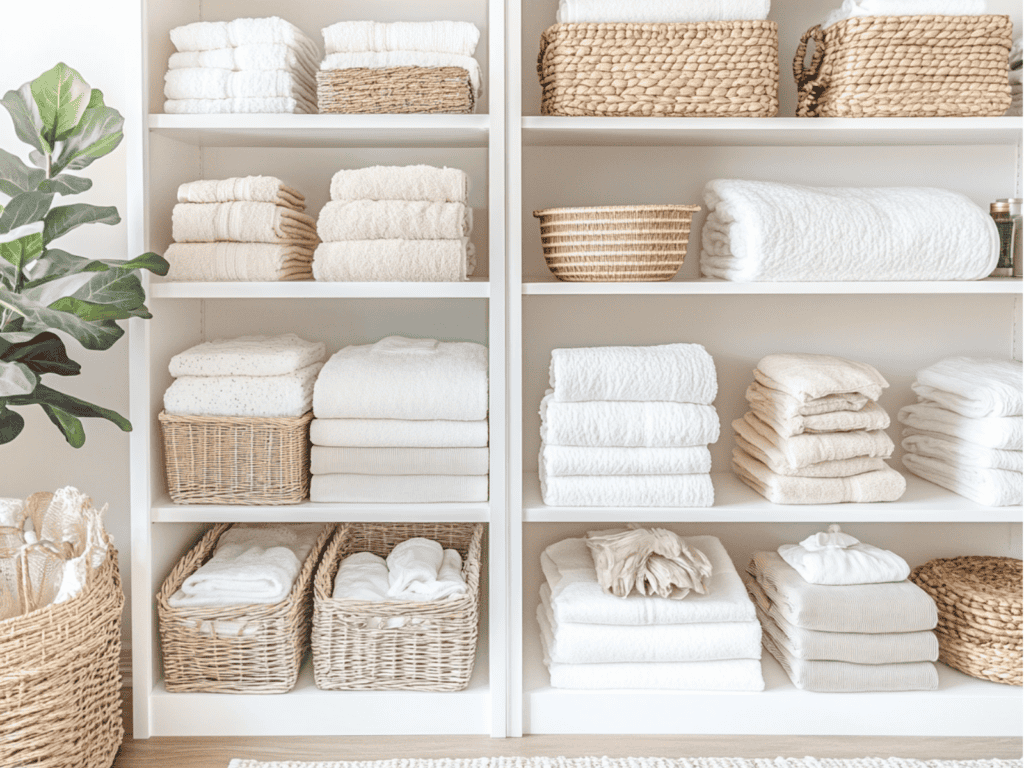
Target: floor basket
x=625 y=243
x=434 y=649
x=906 y=66
x=235 y=649
x=708 y=69
x=236 y=459
x=398 y=90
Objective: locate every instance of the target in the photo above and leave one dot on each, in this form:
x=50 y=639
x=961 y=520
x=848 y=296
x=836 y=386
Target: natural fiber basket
x=625 y=243
x=236 y=459
x=434 y=650
x=264 y=647
x=906 y=66
x=398 y=90
x=708 y=69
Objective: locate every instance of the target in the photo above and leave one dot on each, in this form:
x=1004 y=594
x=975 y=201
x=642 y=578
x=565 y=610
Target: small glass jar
x=1015 y=204
x=1000 y=212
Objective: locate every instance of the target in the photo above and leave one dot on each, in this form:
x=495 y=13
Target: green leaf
x=62 y=96
x=16 y=379
x=44 y=353
x=98 y=134
x=65 y=218
x=55 y=264
x=16 y=177
x=89 y=310
x=11 y=424
x=69 y=404
x=26 y=208
x=96 y=98
x=22 y=251
x=115 y=289
x=70 y=425
x=28 y=125
x=36 y=318
x=66 y=184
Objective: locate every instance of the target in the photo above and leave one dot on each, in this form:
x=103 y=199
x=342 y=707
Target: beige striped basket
x=398 y=90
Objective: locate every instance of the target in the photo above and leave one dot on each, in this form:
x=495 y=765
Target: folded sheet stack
x=396 y=223
x=965 y=431
x=402 y=420
x=629 y=426
x=1016 y=78
x=241 y=66
x=665 y=11
x=815 y=433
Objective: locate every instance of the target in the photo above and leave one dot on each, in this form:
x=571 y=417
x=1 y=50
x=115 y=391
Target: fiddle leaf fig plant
x=46 y=291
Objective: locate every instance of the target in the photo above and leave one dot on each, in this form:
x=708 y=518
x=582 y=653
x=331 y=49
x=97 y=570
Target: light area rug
x=638 y=762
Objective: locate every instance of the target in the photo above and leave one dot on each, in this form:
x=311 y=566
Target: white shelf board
x=924 y=502
x=475 y=288
x=548 y=285
x=324 y=130
x=164 y=510
x=769 y=132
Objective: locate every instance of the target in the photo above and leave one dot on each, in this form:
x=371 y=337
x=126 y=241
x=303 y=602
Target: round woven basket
x=622 y=243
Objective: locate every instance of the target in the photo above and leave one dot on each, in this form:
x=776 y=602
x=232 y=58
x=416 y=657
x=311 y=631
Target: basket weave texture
x=264 y=649
x=236 y=459
x=906 y=66
x=708 y=69
x=627 y=243
x=434 y=650
x=979 y=602
x=397 y=90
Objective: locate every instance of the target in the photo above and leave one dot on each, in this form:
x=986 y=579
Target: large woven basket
x=434 y=650
x=236 y=459
x=980 y=609
x=624 y=243
x=263 y=647
x=906 y=66
x=708 y=69
x=398 y=90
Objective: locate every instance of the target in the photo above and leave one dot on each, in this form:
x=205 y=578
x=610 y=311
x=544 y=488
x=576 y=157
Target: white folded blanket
x=851 y=9
x=398 y=461
x=270 y=396
x=959 y=453
x=786 y=406
x=804 y=450
x=838 y=558
x=563 y=460
x=243 y=222
x=975 y=387
x=751 y=442
x=808 y=377
x=258 y=56
x=401 y=182
x=431 y=261
x=398 y=433
x=248 y=356
x=200 y=83
x=211 y=35
x=392 y=59
x=871 y=417
x=402 y=489
x=239 y=262
x=440 y=36
x=255 y=189
x=255 y=106
x=680 y=373
x=628 y=491
x=763 y=231
x=990 y=487
x=362 y=576
x=661 y=11
x=1003 y=432
x=393 y=220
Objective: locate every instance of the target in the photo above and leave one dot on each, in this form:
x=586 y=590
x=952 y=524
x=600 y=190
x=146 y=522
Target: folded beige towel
x=393 y=220
x=399 y=461
x=401 y=182
x=255 y=189
x=432 y=261
x=245 y=262
x=880 y=485
x=809 y=377
x=241 y=222
x=786 y=406
x=871 y=416
x=803 y=450
x=760 y=449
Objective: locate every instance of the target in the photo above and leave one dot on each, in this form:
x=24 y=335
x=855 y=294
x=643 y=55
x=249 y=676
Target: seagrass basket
x=236 y=459
x=397 y=90
x=707 y=69
x=906 y=66
x=623 y=243
x=433 y=650
x=235 y=649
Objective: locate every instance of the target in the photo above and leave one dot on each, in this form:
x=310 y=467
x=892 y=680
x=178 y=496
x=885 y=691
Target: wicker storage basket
x=625 y=243
x=979 y=602
x=265 y=647
x=236 y=459
x=906 y=66
x=398 y=90
x=434 y=651
x=709 y=69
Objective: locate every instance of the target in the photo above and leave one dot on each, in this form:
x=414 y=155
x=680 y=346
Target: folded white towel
x=871 y=417
x=838 y=558
x=399 y=461
x=975 y=387
x=400 y=489
x=401 y=182
x=628 y=491
x=990 y=487
x=751 y=442
x=1003 y=432
x=449 y=581
x=960 y=453
x=392 y=59
x=239 y=262
x=256 y=189
x=680 y=373
x=244 y=222
x=248 y=356
x=415 y=559
x=430 y=261
x=808 y=377
x=211 y=35
x=851 y=9
x=255 y=106
x=763 y=231
x=563 y=460
x=804 y=450
x=785 y=406
x=440 y=36
x=259 y=56
x=362 y=576
x=272 y=396
x=200 y=83
x=661 y=11
x=398 y=433
x=393 y=220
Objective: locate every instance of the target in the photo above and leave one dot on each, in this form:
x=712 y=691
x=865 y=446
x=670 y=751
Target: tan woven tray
x=433 y=651
x=398 y=90
x=906 y=66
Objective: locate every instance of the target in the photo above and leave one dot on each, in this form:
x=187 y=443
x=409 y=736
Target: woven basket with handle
x=397 y=90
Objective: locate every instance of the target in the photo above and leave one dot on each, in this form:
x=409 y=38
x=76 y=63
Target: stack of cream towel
x=416 y=569
x=1016 y=78
x=595 y=640
x=396 y=223
x=629 y=426
x=841 y=616
x=241 y=229
x=815 y=433
x=664 y=11
x=852 y=9
x=964 y=433
x=241 y=66
x=402 y=420
x=266 y=376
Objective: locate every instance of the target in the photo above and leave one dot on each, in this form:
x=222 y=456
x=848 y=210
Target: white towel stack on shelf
x=396 y=223
x=964 y=433
x=241 y=66
x=402 y=420
x=1016 y=78
x=815 y=434
x=629 y=426
x=661 y=11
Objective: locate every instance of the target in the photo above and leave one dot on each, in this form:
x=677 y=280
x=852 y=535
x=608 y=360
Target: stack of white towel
x=852 y=9
x=396 y=223
x=629 y=426
x=266 y=376
x=241 y=229
x=815 y=433
x=416 y=569
x=402 y=420
x=964 y=433
x=1016 y=78
x=240 y=66
x=595 y=640
x=665 y=11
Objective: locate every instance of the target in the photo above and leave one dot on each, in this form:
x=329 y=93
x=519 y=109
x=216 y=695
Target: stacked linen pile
x=396 y=223
x=841 y=616
x=416 y=569
x=246 y=65
x=661 y=11
x=593 y=639
x=964 y=433
x=241 y=229
x=629 y=426
x=815 y=433
x=402 y=420
x=1016 y=108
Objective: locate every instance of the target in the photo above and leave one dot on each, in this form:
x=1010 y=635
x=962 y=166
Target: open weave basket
x=397 y=90
x=707 y=69
x=906 y=66
x=433 y=651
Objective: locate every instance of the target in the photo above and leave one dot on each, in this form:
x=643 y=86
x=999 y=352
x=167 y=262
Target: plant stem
x=49 y=165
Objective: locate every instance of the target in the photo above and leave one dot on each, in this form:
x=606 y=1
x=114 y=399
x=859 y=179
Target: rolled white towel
x=401 y=182
x=809 y=377
x=255 y=189
x=270 y=396
x=203 y=83
x=422 y=261
x=213 y=35
x=259 y=56
x=250 y=106
x=975 y=387
x=248 y=356
x=459 y=37
x=393 y=220
x=562 y=460
x=362 y=576
x=392 y=59
x=449 y=581
x=416 y=559
x=398 y=433
x=628 y=491
x=1003 y=432
x=851 y=9
x=990 y=487
x=244 y=222
x=960 y=453
x=804 y=450
x=661 y=11
x=239 y=262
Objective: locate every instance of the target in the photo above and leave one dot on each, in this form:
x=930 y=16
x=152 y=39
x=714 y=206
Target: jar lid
x=999 y=206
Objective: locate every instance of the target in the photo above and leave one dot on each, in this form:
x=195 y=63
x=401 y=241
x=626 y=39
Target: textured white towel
x=960 y=453
x=871 y=417
x=415 y=559
x=853 y=8
x=1003 y=432
x=254 y=106
x=362 y=576
x=400 y=489
x=975 y=387
x=991 y=487
x=401 y=182
x=243 y=222
x=398 y=433
x=628 y=491
x=819 y=560
x=200 y=83
x=256 y=57
x=766 y=453
x=808 y=377
x=398 y=461
x=255 y=189
x=661 y=11
x=785 y=406
x=884 y=484
x=431 y=261
x=392 y=59
x=239 y=262
x=393 y=220
x=1016 y=50
x=804 y=450
x=211 y=35
x=248 y=356
x=763 y=231
x=440 y=36
x=680 y=373
x=562 y=460
x=287 y=395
